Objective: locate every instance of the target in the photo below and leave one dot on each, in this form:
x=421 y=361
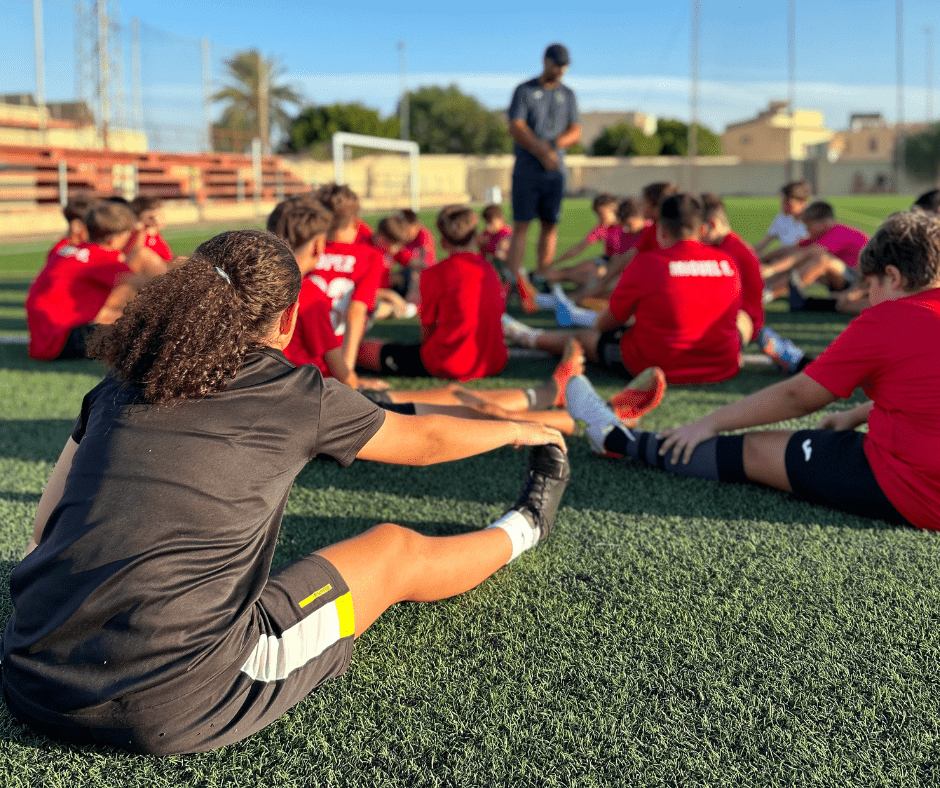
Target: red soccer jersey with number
x=461 y=308
x=313 y=335
x=69 y=292
x=423 y=242
x=752 y=284
x=348 y=272
x=892 y=351
x=685 y=300
x=161 y=247
x=842 y=242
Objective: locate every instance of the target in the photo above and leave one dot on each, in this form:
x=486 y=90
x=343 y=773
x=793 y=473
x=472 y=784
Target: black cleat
x=545 y=482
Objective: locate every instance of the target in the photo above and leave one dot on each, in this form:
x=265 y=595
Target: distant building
x=868 y=138
x=594 y=123
x=776 y=134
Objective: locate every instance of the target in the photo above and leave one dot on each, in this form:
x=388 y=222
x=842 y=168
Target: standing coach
x=543 y=121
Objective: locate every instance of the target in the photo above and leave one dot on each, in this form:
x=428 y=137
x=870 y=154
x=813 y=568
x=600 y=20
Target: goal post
x=342 y=139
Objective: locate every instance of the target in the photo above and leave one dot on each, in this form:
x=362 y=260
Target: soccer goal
x=344 y=139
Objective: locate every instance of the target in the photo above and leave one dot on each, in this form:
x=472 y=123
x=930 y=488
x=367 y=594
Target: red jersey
x=892 y=350
x=69 y=292
x=462 y=305
x=842 y=242
x=609 y=234
x=56 y=250
x=626 y=241
x=489 y=241
x=313 y=336
x=686 y=300
x=161 y=247
x=648 y=241
x=423 y=242
x=364 y=236
x=348 y=272
x=752 y=284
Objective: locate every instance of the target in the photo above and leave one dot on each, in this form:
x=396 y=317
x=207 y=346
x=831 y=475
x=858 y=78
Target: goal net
x=383 y=185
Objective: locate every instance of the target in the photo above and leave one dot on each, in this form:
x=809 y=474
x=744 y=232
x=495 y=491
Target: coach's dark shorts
x=303 y=636
x=608 y=352
x=537 y=192
x=829 y=467
x=402 y=360
x=76 y=344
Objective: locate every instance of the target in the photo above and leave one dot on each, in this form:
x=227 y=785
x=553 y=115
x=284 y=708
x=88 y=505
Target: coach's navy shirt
x=548 y=113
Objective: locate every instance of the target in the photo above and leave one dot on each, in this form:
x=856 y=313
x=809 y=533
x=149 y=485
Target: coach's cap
x=558 y=54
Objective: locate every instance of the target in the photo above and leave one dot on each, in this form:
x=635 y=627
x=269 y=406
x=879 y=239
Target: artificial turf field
x=670 y=632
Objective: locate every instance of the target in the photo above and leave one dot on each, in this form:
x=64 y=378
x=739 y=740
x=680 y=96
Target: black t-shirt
x=152 y=562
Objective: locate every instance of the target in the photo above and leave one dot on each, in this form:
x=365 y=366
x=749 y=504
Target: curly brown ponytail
x=187 y=332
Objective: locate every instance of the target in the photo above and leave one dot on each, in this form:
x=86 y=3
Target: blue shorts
x=537 y=192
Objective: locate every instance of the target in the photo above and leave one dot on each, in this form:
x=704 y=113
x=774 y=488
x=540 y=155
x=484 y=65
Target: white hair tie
x=222 y=273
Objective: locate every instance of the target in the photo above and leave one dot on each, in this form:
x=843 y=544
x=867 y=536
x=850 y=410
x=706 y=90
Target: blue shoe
x=785 y=353
x=562 y=307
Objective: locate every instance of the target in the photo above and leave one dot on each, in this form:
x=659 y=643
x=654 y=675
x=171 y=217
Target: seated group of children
x=675 y=298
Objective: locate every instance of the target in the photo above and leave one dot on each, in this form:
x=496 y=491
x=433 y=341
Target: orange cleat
x=639 y=396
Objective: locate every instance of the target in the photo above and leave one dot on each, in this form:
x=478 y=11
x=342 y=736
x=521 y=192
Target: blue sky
x=625 y=55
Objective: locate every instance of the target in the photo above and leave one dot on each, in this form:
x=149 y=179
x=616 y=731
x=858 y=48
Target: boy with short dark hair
x=461 y=305
x=830 y=253
x=419 y=250
x=929 y=201
x=75 y=211
x=495 y=237
x=892 y=351
x=347 y=271
x=149 y=212
x=83 y=287
x=390 y=236
x=607 y=231
x=786 y=226
x=675 y=307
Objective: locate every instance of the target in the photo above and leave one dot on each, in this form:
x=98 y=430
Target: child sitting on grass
x=607 y=232
x=786 y=227
x=892 y=351
x=828 y=254
x=390 y=235
x=417 y=253
x=494 y=239
x=75 y=211
x=82 y=287
x=461 y=305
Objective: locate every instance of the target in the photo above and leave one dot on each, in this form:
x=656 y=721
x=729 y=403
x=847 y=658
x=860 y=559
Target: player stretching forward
x=892 y=350
x=146 y=614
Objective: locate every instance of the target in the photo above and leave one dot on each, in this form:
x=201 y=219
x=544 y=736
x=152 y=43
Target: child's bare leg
x=785 y=262
x=581 y=274
x=765 y=457
x=558 y=419
x=389 y=564
x=556 y=341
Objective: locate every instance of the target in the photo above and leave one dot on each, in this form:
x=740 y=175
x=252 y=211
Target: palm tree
x=254 y=101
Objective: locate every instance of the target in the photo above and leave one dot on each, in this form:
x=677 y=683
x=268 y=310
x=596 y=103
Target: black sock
x=718 y=459
x=804 y=363
x=819 y=305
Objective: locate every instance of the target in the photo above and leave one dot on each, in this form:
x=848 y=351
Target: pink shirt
x=609 y=234
x=842 y=242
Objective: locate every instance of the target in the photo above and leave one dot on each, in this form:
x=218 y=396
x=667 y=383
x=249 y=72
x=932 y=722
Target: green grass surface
x=671 y=631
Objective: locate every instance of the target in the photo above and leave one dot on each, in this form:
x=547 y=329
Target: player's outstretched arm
x=427 y=440
x=356 y=316
x=574 y=251
x=790 y=399
x=52 y=493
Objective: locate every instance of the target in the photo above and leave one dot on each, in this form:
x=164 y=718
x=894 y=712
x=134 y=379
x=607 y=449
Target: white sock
x=521 y=532
x=545 y=300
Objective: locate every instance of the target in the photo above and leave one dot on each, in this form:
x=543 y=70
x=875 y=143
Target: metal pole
x=104 y=67
x=138 y=85
x=899 y=136
x=256 y=172
x=791 y=79
x=929 y=34
x=693 y=101
x=40 y=70
x=63 y=182
x=264 y=130
x=207 y=94
x=403 y=110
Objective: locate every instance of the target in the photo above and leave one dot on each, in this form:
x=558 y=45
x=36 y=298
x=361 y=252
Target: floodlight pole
x=403 y=109
x=137 y=82
x=928 y=31
x=693 y=99
x=40 y=70
x=791 y=83
x=206 y=94
x=899 y=135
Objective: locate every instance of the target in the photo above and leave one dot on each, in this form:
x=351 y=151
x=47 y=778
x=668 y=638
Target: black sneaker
x=797 y=295
x=545 y=482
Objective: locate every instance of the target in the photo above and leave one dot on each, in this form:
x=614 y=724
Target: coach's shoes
x=545 y=481
x=639 y=396
x=585 y=406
